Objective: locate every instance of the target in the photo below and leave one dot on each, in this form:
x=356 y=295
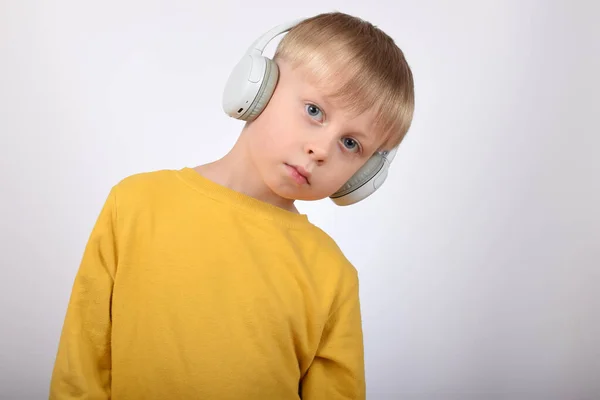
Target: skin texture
x=303 y=146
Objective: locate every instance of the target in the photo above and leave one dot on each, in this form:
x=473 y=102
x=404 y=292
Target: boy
x=207 y=283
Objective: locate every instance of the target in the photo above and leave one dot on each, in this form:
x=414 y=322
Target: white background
x=480 y=256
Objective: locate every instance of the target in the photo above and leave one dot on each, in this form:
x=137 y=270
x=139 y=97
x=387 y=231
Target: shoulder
x=146 y=187
x=145 y=182
x=146 y=191
x=330 y=260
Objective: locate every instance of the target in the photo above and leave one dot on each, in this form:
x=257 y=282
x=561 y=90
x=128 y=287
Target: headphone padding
x=362 y=176
x=266 y=90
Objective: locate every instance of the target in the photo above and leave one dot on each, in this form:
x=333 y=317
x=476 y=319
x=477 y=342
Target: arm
x=337 y=371
x=82 y=366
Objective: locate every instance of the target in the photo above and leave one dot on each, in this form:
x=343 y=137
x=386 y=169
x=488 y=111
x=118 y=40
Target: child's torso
x=213 y=302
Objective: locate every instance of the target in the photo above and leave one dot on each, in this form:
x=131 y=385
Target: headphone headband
x=262 y=42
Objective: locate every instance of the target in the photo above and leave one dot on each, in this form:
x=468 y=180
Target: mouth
x=299 y=174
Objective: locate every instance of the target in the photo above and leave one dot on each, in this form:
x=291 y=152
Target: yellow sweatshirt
x=190 y=290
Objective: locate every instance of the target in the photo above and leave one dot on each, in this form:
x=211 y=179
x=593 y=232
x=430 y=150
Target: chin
x=296 y=194
x=309 y=198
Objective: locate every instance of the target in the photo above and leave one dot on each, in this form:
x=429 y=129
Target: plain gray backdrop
x=479 y=258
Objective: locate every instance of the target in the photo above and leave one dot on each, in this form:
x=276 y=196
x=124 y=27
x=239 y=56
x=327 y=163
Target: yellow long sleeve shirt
x=190 y=290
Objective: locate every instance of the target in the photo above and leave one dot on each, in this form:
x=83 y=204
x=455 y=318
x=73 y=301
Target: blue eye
x=351 y=144
x=314 y=111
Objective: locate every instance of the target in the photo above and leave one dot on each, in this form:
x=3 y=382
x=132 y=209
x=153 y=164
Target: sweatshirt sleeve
x=337 y=371
x=82 y=365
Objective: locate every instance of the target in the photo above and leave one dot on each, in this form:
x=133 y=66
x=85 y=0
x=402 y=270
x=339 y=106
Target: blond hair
x=374 y=73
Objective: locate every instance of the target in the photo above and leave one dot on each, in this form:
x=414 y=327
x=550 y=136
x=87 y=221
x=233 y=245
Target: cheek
x=269 y=146
x=278 y=139
x=346 y=172
x=272 y=127
x=273 y=142
x=334 y=178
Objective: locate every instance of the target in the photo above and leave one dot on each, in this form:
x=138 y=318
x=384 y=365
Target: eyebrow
x=361 y=134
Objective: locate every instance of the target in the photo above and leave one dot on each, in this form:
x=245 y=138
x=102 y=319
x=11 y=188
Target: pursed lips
x=302 y=172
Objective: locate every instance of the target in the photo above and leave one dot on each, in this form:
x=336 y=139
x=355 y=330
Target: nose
x=318 y=151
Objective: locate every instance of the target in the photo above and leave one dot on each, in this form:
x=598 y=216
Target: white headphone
x=250 y=87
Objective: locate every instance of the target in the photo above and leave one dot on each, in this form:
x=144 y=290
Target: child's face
x=305 y=147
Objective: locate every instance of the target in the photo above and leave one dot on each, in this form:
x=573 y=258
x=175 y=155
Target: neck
x=236 y=171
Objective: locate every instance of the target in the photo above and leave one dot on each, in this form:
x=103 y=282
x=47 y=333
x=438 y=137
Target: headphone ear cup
x=362 y=176
x=267 y=87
